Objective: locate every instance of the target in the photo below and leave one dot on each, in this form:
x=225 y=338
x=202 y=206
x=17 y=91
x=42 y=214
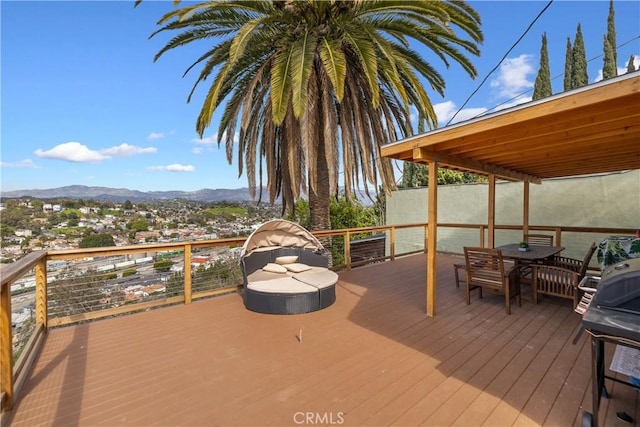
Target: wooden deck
x=373 y=358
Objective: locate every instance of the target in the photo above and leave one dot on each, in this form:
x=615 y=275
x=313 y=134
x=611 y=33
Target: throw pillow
x=290 y=259
x=297 y=267
x=274 y=268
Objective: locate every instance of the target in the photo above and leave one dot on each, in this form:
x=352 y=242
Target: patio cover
x=588 y=130
x=593 y=129
x=280 y=233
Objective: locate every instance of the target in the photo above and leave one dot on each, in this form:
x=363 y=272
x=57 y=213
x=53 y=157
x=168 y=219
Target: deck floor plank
x=373 y=358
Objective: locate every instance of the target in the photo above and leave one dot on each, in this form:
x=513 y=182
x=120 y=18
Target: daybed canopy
x=283 y=233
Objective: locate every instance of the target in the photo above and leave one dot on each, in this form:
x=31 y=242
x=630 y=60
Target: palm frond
x=303 y=52
x=281 y=83
x=335 y=65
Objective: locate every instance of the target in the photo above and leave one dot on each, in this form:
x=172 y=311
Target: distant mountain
x=122 y=194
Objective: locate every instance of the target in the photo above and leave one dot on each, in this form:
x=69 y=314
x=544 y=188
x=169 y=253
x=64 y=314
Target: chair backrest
x=485 y=267
x=539 y=239
x=586 y=261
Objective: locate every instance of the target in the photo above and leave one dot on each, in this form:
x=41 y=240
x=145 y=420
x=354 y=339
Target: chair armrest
x=564 y=262
x=510 y=266
x=550 y=273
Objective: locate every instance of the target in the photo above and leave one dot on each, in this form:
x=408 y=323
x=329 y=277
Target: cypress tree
x=630 y=67
x=609 y=68
x=542 y=85
x=568 y=66
x=579 y=75
x=611 y=33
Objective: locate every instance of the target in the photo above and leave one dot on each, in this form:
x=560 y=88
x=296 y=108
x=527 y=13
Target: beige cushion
x=260 y=275
x=283 y=285
x=274 y=268
x=289 y=259
x=296 y=267
x=317 y=277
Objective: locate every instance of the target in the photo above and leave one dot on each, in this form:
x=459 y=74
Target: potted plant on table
x=523 y=246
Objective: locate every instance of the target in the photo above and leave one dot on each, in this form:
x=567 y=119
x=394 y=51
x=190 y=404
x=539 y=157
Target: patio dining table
x=533 y=254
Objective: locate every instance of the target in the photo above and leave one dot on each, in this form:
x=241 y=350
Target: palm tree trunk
x=319 y=203
x=319 y=199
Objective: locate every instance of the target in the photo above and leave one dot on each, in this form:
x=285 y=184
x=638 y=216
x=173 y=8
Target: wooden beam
x=432 y=238
x=423 y=155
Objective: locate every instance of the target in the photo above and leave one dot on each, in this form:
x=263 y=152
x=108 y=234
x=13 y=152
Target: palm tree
x=312 y=89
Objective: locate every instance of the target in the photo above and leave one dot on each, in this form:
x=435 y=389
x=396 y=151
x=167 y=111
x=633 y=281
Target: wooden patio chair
x=579 y=266
x=538 y=239
x=486 y=268
x=560 y=276
x=457 y=267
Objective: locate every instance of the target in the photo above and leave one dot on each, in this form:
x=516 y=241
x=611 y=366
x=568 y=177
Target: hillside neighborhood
x=29 y=224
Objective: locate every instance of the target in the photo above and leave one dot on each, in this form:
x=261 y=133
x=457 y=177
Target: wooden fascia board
x=423 y=155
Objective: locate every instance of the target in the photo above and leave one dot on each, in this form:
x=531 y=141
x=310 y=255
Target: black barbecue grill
x=611 y=314
x=615 y=306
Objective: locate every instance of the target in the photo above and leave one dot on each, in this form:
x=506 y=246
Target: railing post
x=347 y=249
x=392 y=243
x=482 y=236
x=187 y=273
x=558 y=236
x=6 y=348
x=41 y=293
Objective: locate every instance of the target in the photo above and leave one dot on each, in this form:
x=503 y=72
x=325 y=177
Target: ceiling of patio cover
x=592 y=129
x=280 y=232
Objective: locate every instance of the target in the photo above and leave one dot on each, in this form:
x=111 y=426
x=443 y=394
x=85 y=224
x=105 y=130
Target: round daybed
x=285 y=270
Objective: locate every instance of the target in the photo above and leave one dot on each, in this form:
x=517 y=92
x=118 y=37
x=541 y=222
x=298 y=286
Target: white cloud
x=173 y=168
x=446 y=110
x=155 y=135
x=72 y=152
x=209 y=140
x=512 y=103
x=621 y=70
x=213 y=139
x=513 y=77
x=26 y=163
x=80 y=153
x=197 y=150
x=126 y=150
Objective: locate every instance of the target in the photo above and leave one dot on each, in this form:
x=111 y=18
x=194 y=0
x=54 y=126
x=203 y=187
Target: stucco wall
x=607 y=200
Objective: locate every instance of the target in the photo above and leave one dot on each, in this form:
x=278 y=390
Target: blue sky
x=82 y=101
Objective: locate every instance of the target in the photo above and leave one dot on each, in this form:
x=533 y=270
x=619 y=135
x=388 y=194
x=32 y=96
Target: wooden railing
x=13 y=372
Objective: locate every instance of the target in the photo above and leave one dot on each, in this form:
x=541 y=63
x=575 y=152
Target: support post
x=432 y=238
x=525 y=209
x=492 y=210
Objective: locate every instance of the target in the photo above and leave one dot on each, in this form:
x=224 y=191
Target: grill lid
x=619 y=288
